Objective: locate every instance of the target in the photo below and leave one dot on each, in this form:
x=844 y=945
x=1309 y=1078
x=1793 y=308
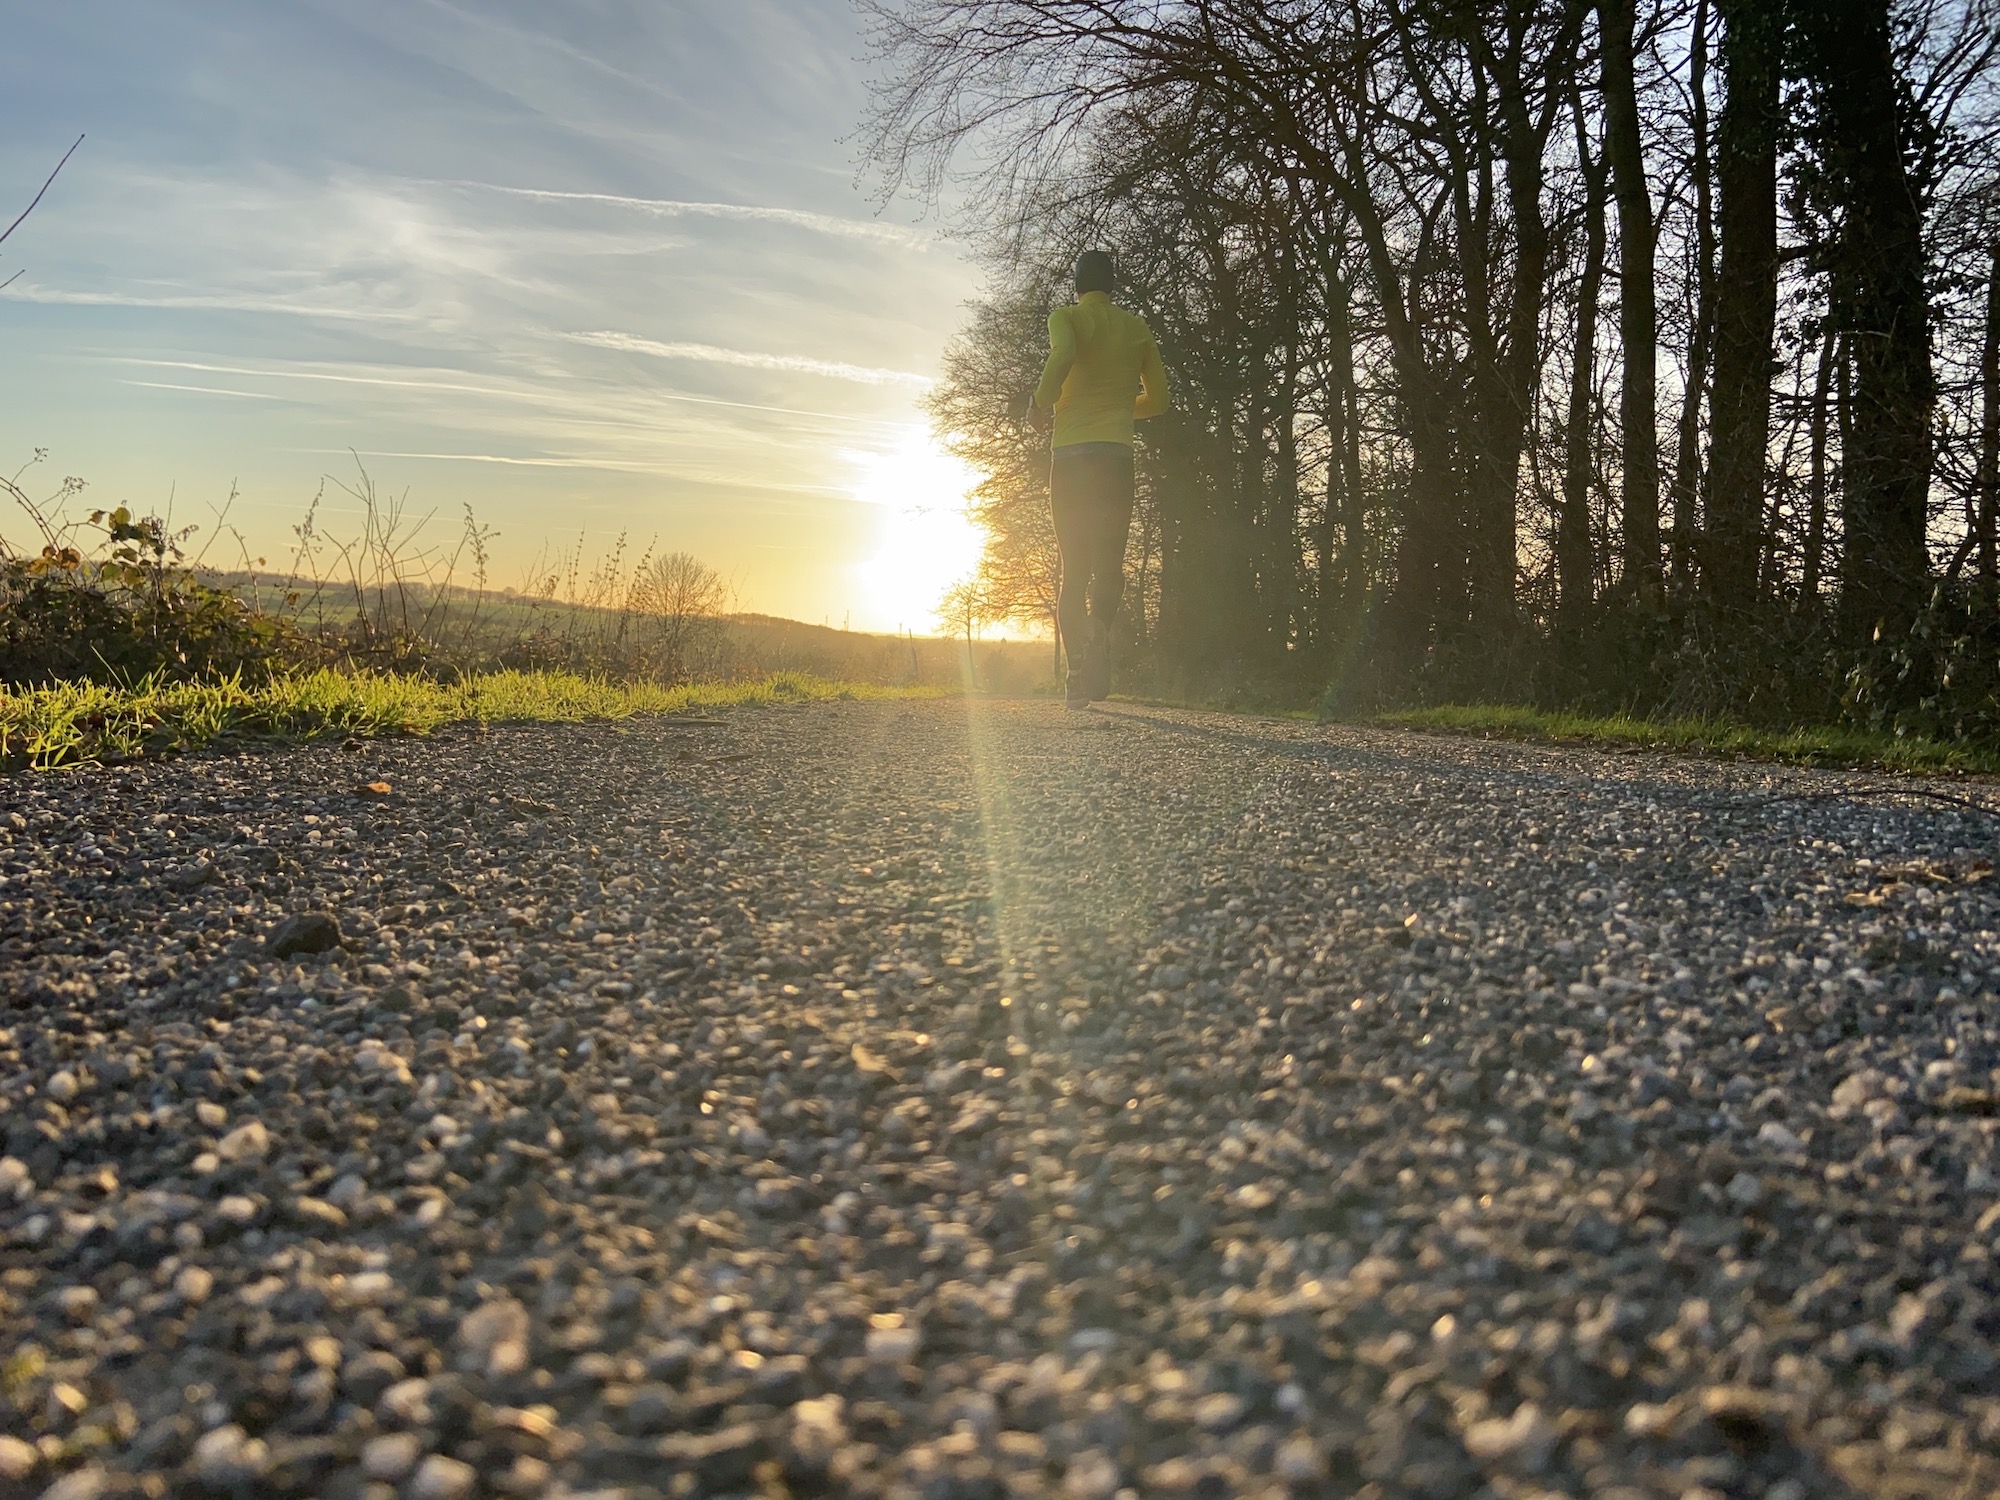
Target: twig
x=1917 y=791
x=38 y=197
x=1885 y=790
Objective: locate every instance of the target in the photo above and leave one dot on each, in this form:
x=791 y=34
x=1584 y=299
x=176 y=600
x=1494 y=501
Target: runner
x=1104 y=373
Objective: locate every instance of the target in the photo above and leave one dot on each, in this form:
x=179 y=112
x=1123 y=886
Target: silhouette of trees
x=1378 y=241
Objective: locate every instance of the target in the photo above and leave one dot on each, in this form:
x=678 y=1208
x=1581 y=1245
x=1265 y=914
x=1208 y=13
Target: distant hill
x=483 y=625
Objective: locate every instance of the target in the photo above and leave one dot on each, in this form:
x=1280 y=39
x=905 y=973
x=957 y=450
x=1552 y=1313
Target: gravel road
x=954 y=1100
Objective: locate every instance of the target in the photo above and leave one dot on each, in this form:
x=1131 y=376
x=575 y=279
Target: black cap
x=1093 y=272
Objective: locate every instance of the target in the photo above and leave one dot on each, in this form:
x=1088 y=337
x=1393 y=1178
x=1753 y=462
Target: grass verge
x=1819 y=746
x=70 y=724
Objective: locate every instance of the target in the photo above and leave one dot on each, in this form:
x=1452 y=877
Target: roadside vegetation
x=86 y=723
x=1825 y=745
x=119 y=638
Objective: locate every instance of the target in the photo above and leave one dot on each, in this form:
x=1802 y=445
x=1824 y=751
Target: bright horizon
x=587 y=271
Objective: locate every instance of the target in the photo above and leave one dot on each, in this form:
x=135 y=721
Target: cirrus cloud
x=789 y=364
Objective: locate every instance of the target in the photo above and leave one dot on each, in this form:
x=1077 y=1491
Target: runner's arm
x=1154 y=397
x=1062 y=354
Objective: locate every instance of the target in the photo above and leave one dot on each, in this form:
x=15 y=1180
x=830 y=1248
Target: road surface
x=946 y=1099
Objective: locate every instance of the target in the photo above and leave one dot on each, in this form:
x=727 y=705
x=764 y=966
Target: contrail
x=797 y=364
x=671 y=208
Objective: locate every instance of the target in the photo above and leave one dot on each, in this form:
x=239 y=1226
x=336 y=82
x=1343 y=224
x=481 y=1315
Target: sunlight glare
x=926 y=541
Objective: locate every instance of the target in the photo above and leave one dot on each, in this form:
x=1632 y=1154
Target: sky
x=591 y=267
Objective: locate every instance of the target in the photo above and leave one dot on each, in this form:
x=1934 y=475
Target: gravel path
x=953 y=1100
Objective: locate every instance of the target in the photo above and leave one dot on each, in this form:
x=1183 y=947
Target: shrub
x=123 y=606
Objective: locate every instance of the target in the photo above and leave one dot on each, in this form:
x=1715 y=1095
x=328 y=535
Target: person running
x=1103 y=374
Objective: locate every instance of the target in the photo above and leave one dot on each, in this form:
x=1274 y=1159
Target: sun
x=925 y=540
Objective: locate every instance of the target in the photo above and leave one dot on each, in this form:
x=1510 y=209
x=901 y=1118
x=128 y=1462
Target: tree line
x=1643 y=351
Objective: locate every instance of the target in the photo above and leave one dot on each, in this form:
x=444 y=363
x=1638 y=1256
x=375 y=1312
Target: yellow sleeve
x=1153 y=397
x=1062 y=354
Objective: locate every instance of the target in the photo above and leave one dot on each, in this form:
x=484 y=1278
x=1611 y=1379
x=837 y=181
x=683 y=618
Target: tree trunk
x=1343 y=542
x=1879 y=276
x=1637 y=317
x=1746 y=299
x=1573 y=560
x=1413 y=611
x=1523 y=143
x=1989 y=437
x=1282 y=543
x=1354 y=527
x=1815 y=559
x=1687 y=459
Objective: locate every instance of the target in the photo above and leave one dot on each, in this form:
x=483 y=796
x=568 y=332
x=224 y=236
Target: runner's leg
x=1110 y=523
x=1070 y=509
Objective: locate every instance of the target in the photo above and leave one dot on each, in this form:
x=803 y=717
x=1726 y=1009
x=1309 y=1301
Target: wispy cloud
x=673 y=208
x=790 y=364
x=453 y=386
x=202 y=390
x=721 y=478
x=203 y=301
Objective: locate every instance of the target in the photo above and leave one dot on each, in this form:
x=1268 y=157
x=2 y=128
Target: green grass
x=69 y=724
x=1812 y=746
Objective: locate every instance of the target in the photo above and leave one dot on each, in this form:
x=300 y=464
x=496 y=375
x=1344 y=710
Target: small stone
x=17 y=1459
x=78 y=1303
x=1091 y=1475
x=1219 y=1411
x=375 y=791
x=391 y=1456
x=1646 y=1419
x=366 y=1376
x=408 y=1402
x=192 y=1284
x=86 y=1483
x=307 y=932
x=1745 y=1190
x=493 y=1338
x=651 y=1409
x=1852 y=1092
x=893 y=1345
x=16 y=1181
x=235 y=1208
x=441 y=1478
x=317 y=1213
x=229 y=1456
x=249 y=1141
x=527 y=1476
x=1299 y=1462
x=723 y=1460
x=211 y=1115
x=818 y=1426
x=1525 y=1437
x=1092 y=1341
x=192 y=876
x=62 y=1086
x=1775 y=1135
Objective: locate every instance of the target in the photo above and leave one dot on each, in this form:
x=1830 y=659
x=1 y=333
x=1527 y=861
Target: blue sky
x=590 y=266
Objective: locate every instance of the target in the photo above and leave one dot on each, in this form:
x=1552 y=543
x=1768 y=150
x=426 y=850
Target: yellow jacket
x=1104 y=372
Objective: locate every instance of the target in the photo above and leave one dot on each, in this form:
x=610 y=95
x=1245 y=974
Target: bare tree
x=683 y=601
